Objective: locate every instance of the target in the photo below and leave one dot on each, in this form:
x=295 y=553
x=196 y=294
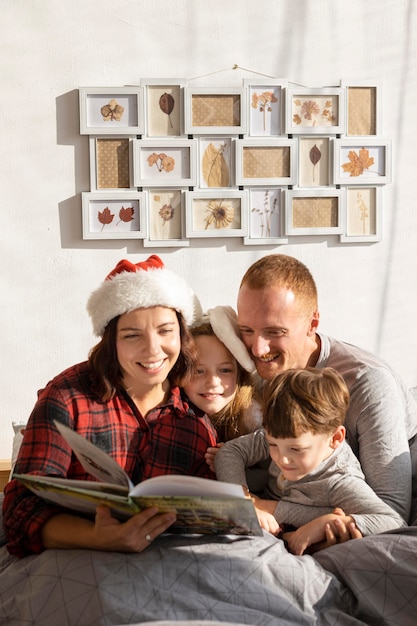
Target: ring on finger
x=148 y=538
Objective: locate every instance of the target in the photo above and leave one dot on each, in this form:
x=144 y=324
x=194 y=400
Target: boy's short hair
x=304 y=400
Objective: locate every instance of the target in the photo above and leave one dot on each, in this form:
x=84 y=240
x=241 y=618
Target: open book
x=202 y=506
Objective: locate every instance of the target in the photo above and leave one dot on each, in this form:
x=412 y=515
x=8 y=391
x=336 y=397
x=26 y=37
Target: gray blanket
x=225 y=579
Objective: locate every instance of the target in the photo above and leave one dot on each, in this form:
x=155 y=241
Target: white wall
x=50 y=48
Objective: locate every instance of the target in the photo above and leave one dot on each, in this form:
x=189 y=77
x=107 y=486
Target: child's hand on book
x=210 y=455
x=265 y=513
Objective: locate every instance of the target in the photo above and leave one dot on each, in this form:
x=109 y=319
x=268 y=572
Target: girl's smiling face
x=215 y=382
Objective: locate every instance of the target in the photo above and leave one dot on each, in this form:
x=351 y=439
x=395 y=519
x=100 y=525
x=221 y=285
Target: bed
x=197 y=581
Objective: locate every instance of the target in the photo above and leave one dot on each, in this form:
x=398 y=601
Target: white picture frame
x=315 y=159
x=111 y=110
x=363 y=102
x=313 y=212
x=265 y=107
x=266 y=162
x=266 y=216
x=315 y=111
x=164 y=106
x=362 y=161
x=164 y=163
x=215 y=111
x=166 y=219
x=114 y=215
x=362 y=214
x=216 y=162
x=111 y=162
x=217 y=213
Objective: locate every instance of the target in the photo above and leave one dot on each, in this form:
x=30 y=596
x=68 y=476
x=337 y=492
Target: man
x=278 y=319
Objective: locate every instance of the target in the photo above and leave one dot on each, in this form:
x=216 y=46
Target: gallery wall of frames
x=264 y=162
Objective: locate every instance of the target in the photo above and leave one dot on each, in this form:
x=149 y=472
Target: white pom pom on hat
x=223 y=320
x=131 y=286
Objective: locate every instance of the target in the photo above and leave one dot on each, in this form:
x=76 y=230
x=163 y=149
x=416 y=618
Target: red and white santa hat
x=131 y=286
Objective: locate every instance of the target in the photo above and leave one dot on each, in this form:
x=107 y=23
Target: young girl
x=222 y=385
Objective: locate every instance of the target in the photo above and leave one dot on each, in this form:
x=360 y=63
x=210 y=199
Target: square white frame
x=376 y=146
x=254 y=239
x=364 y=84
x=103 y=201
x=227 y=157
x=145 y=176
x=363 y=210
x=92 y=121
x=169 y=242
x=221 y=195
x=273 y=125
x=192 y=129
x=167 y=85
x=313 y=193
x=94 y=165
x=242 y=144
x=307 y=94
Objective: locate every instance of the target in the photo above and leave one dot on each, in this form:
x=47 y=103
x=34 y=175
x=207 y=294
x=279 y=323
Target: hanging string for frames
x=234 y=67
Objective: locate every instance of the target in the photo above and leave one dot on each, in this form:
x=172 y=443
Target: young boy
x=313 y=470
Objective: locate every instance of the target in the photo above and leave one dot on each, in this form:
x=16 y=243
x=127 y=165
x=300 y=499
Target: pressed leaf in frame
x=214 y=168
x=166 y=104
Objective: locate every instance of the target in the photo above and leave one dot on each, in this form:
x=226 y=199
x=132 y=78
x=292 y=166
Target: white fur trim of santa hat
x=140 y=286
x=223 y=320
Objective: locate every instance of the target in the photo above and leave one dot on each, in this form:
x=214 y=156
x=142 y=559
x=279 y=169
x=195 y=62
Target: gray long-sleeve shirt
x=336 y=482
x=381 y=422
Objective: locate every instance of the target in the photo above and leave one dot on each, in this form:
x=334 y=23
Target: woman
x=126 y=399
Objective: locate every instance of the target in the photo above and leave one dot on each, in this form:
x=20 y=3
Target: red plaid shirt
x=172 y=440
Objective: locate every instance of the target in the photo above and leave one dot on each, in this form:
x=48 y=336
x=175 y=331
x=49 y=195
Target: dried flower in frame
x=166 y=213
x=112 y=112
x=162 y=161
x=312 y=111
x=219 y=213
x=263 y=102
x=265 y=214
x=363 y=211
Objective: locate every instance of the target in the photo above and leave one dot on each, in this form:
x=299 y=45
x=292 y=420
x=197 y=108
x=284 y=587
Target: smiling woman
x=126 y=398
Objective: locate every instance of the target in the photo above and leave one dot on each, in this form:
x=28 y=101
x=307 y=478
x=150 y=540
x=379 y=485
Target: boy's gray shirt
x=337 y=482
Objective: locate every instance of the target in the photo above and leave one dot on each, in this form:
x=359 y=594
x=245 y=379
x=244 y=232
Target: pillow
x=17 y=441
